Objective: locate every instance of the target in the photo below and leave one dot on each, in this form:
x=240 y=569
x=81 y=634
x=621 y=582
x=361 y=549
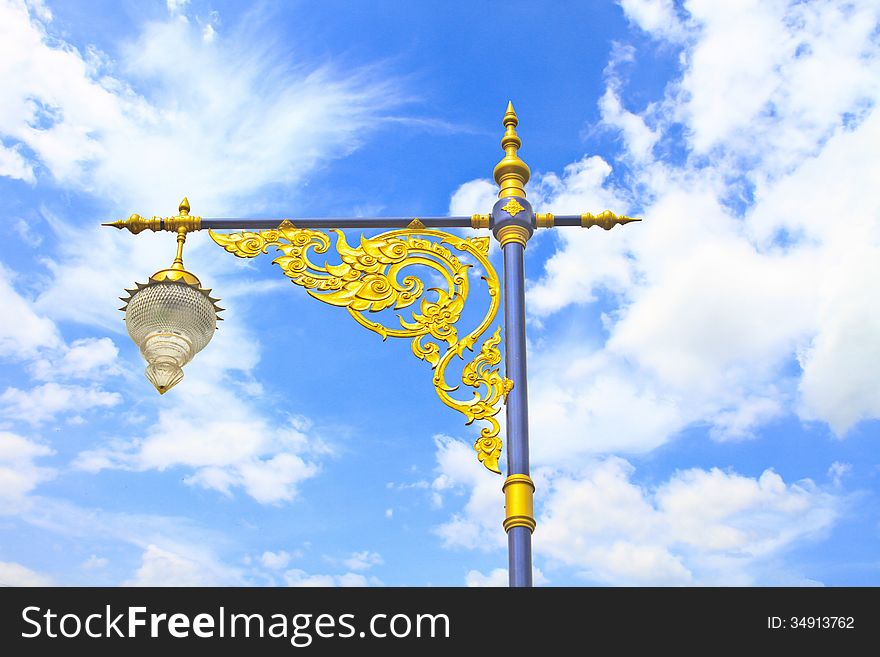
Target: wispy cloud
x=19 y=471
x=42 y=403
x=174 y=113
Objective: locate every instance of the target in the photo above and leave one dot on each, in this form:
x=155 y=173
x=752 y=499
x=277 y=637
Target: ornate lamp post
x=172 y=317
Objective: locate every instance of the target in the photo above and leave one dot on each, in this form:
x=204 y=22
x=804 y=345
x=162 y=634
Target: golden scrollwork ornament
x=370 y=278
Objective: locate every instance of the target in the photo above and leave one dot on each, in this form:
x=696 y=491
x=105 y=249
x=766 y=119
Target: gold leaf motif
x=512 y=207
x=370 y=278
x=481 y=243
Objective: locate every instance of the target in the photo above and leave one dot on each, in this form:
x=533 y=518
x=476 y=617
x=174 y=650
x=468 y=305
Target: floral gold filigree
x=371 y=278
x=512 y=207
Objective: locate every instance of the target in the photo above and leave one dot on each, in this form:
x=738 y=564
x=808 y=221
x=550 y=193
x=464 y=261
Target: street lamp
x=171 y=318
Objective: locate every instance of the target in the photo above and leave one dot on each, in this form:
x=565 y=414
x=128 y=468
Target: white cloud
x=176 y=6
x=841 y=365
x=639 y=138
x=95 y=562
x=586 y=403
x=42 y=403
x=753 y=67
x=26 y=232
x=39 y=8
x=739 y=422
x=18 y=473
x=300 y=578
x=700 y=526
x=275 y=560
x=14 y=574
x=363 y=560
x=268 y=463
x=567 y=280
x=14 y=165
x=498 y=577
x=91 y=358
x=119 y=131
x=238 y=448
x=837 y=471
x=657 y=17
x=173 y=550
x=160 y=567
x=476 y=526
x=474 y=197
x=23 y=333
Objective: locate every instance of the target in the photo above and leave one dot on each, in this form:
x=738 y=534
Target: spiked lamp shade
x=170 y=321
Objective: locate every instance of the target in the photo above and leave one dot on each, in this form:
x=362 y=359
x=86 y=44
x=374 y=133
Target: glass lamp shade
x=170 y=321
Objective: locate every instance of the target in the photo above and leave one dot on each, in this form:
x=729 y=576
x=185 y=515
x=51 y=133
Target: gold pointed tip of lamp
x=511 y=173
x=510 y=114
x=184 y=208
x=120 y=224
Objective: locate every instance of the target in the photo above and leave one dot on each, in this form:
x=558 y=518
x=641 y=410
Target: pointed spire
x=183 y=208
x=510 y=115
x=511 y=173
x=136 y=223
x=605 y=219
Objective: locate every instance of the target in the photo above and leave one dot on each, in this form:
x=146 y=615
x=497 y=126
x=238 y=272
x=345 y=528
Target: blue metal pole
x=338 y=222
x=519 y=538
x=513 y=221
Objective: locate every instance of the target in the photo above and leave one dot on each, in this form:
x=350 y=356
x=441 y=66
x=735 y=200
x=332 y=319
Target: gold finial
x=511 y=173
x=510 y=115
x=183 y=219
x=136 y=223
x=605 y=219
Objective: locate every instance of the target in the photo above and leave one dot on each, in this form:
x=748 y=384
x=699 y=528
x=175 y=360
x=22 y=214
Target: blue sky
x=703 y=385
